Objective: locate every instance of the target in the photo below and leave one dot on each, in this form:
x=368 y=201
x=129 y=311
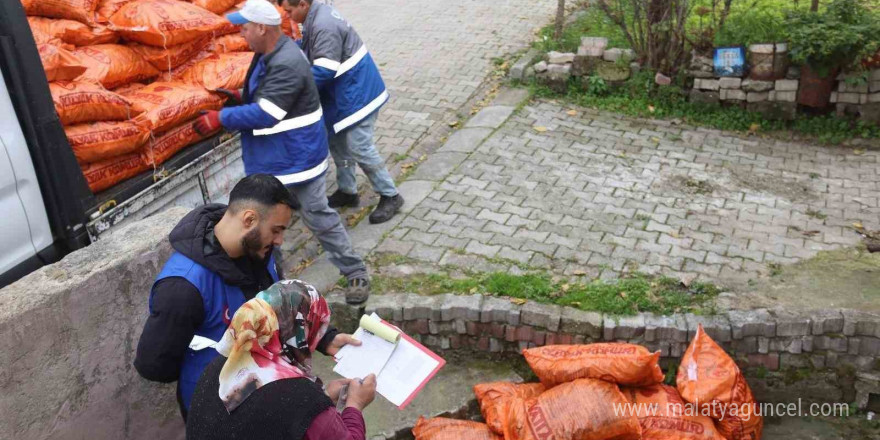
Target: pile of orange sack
x=128 y=77
x=612 y=391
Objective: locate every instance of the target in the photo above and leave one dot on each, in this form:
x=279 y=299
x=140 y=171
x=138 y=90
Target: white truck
x=46 y=207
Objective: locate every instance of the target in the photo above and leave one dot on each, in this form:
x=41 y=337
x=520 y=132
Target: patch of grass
x=814 y=175
x=819 y=215
x=775 y=269
x=641 y=97
x=593 y=23
x=627 y=296
x=643 y=217
x=400 y=157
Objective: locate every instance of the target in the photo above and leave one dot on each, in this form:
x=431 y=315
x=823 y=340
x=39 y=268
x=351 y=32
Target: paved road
x=433 y=56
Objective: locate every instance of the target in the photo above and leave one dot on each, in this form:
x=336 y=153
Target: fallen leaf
x=858 y=152
x=579 y=273
x=473 y=290
x=622 y=294
x=675 y=235
x=810 y=233
x=565 y=287
x=754 y=128
x=651 y=108
x=423 y=157
x=454 y=123
x=655 y=139
x=518 y=301
x=858 y=225
x=540 y=128
x=572 y=112
x=576 y=303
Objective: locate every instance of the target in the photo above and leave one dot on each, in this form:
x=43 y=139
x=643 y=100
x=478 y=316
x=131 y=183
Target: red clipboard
x=440 y=363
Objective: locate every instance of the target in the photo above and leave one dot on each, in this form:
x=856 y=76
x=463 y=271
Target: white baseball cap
x=256 y=11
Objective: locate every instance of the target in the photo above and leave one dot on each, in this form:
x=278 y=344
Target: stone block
x=794 y=360
x=584 y=65
x=388 y=307
x=874 y=75
x=830 y=343
x=554 y=57
x=730 y=83
x=599 y=42
x=500 y=310
x=706 y=84
x=793 y=72
x=786 y=85
x=529 y=73
x=777 y=95
x=421 y=307
x=763 y=345
x=666 y=328
x=860 y=323
x=580 y=322
x=545 y=316
x=612 y=73
x=556 y=77
x=826 y=321
x=874 y=87
x=624 y=327
x=853 y=346
x=834 y=98
x=662 y=80
x=807 y=344
x=745 y=323
x=518 y=70
x=757 y=96
x=716 y=326
x=615 y=54
x=705 y=97
x=787 y=345
x=869 y=346
x=848 y=98
x=732 y=94
x=870 y=113
x=873 y=98
x=867 y=385
x=540 y=66
x=846 y=87
x=466 y=307
x=592 y=52
x=700 y=74
x=752 y=86
x=747 y=345
x=789 y=324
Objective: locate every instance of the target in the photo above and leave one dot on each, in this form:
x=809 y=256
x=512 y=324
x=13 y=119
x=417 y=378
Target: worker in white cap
x=283 y=134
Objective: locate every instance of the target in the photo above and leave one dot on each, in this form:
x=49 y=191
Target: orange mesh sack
x=160 y=149
x=167 y=104
x=114 y=65
x=164 y=23
x=60 y=64
x=579 y=410
x=85 y=101
x=493 y=398
x=41 y=36
x=215 y=6
x=707 y=377
x=230 y=43
x=167 y=59
x=102 y=140
x=663 y=415
x=73 y=32
x=440 y=428
x=227 y=27
x=129 y=88
x=624 y=364
x=79 y=10
x=106 y=173
x=227 y=71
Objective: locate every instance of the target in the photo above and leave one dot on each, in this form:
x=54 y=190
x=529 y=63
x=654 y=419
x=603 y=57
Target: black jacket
x=178 y=311
x=280 y=410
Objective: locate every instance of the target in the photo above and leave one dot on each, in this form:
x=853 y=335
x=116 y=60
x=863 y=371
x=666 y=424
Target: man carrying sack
x=282 y=133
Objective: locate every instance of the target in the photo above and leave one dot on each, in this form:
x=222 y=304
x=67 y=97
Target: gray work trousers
x=326 y=225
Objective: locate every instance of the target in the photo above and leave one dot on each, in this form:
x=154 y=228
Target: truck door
x=24 y=226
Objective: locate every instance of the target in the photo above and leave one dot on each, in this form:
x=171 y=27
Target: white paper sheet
x=399 y=368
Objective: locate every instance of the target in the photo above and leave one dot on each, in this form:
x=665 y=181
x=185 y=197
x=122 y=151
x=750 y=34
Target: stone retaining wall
x=773 y=340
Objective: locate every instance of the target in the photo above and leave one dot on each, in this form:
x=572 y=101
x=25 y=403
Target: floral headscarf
x=289 y=311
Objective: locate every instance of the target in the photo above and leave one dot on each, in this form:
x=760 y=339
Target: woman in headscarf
x=262 y=385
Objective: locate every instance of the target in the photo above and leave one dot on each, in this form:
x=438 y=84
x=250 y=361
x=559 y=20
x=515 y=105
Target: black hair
x=293 y=3
x=262 y=190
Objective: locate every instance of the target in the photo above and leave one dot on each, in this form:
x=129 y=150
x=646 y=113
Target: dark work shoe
x=388 y=206
x=339 y=199
x=358 y=290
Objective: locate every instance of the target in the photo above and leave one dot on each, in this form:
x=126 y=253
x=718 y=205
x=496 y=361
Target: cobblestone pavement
x=599 y=194
x=433 y=57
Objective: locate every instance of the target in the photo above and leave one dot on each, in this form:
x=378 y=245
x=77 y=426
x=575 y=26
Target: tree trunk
x=560 y=18
x=814 y=6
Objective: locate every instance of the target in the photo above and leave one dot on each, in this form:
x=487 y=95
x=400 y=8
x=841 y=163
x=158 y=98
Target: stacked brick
x=858 y=97
x=776 y=99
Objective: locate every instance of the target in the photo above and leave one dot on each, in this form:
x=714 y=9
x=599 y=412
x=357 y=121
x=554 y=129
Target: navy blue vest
x=220 y=300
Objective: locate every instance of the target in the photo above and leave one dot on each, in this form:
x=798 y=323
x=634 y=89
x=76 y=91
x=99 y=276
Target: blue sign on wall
x=730 y=61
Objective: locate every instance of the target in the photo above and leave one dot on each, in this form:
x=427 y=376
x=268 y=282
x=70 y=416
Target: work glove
x=208 y=122
x=234 y=96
